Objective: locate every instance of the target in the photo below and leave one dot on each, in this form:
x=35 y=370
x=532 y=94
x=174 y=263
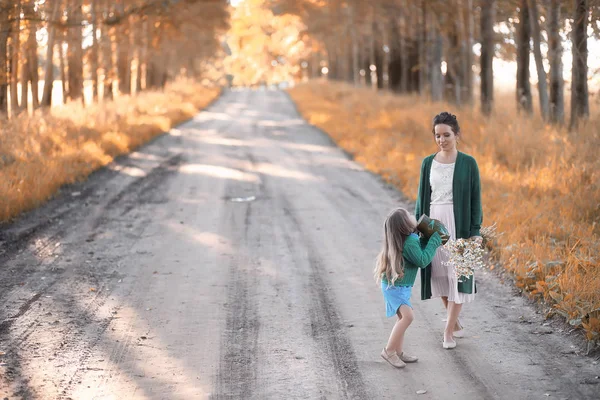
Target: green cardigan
x=468 y=215
x=416 y=254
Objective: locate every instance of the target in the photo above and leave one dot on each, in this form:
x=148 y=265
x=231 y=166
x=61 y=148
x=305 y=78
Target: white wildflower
x=465 y=256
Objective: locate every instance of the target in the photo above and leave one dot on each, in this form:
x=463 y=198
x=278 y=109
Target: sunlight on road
x=128 y=170
x=138 y=378
x=219 y=172
x=227 y=141
x=281 y=172
x=209 y=239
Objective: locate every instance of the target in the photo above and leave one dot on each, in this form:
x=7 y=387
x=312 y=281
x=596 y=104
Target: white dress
x=443 y=277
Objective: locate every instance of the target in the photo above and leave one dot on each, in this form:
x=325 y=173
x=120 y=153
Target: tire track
x=237 y=374
x=326 y=324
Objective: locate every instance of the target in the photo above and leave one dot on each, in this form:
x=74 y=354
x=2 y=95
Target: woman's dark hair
x=447 y=119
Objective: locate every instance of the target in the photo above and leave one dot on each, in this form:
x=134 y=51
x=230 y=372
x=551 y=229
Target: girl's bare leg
x=396 y=340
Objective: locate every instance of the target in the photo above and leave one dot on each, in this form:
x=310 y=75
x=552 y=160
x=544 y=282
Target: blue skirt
x=394 y=297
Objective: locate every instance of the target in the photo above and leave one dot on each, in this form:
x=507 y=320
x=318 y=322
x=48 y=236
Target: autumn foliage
x=39 y=154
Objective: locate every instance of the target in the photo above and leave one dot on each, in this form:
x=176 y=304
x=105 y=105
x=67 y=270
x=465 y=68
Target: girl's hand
x=444 y=238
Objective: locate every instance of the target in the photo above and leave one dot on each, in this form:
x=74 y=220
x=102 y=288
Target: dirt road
x=232 y=259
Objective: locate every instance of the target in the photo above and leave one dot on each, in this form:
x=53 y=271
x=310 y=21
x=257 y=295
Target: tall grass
x=541 y=184
x=42 y=152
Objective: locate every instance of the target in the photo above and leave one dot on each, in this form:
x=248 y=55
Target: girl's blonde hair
x=396 y=228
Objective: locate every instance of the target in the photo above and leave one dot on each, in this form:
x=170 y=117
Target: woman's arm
x=476 y=209
x=421 y=257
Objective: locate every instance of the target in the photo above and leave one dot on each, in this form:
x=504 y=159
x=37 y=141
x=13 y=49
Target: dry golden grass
x=541 y=185
x=40 y=153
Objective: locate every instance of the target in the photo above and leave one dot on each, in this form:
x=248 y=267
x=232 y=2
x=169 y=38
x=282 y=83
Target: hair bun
x=446 y=114
x=448 y=119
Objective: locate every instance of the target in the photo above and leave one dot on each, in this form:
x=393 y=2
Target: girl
x=397 y=265
x=449 y=191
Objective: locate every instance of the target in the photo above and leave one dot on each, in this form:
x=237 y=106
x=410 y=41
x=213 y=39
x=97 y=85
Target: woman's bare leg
x=457 y=326
x=453 y=313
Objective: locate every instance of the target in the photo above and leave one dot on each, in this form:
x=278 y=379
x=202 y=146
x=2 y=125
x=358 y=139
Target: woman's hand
x=477 y=239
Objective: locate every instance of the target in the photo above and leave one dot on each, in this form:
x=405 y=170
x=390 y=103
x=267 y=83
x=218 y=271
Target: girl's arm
x=421 y=257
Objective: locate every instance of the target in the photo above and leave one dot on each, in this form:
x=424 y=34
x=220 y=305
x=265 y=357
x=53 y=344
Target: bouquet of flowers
x=467 y=255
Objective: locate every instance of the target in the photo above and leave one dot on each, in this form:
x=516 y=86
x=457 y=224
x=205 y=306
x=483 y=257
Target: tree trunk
x=346 y=49
x=332 y=60
x=468 y=73
x=580 y=108
x=49 y=73
x=372 y=63
x=75 y=53
x=461 y=63
x=29 y=73
x=106 y=33
x=454 y=58
x=63 y=70
x=488 y=16
x=4 y=34
x=141 y=51
x=555 y=51
x=156 y=70
x=539 y=62
x=437 y=46
x=402 y=29
x=14 y=64
x=315 y=65
x=25 y=78
x=412 y=71
x=355 y=60
x=385 y=63
x=523 y=36
x=422 y=49
x=344 y=60
x=152 y=73
x=33 y=67
x=123 y=61
x=354 y=39
x=94 y=51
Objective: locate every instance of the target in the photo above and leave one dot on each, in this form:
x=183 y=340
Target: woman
x=449 y=191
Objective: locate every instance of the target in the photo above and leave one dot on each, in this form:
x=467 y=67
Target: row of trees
x=428 y=46
x=118 y=45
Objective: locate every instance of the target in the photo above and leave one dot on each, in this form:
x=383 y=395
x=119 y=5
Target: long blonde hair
x=397 y=227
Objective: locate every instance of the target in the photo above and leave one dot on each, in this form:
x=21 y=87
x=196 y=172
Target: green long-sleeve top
x=416 y=254
x=468 y=214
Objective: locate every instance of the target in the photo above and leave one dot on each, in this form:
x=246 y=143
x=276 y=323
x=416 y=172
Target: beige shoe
x=392 y=358
x=408 y=359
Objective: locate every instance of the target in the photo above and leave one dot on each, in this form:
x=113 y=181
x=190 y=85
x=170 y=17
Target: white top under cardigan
x=440 y=180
